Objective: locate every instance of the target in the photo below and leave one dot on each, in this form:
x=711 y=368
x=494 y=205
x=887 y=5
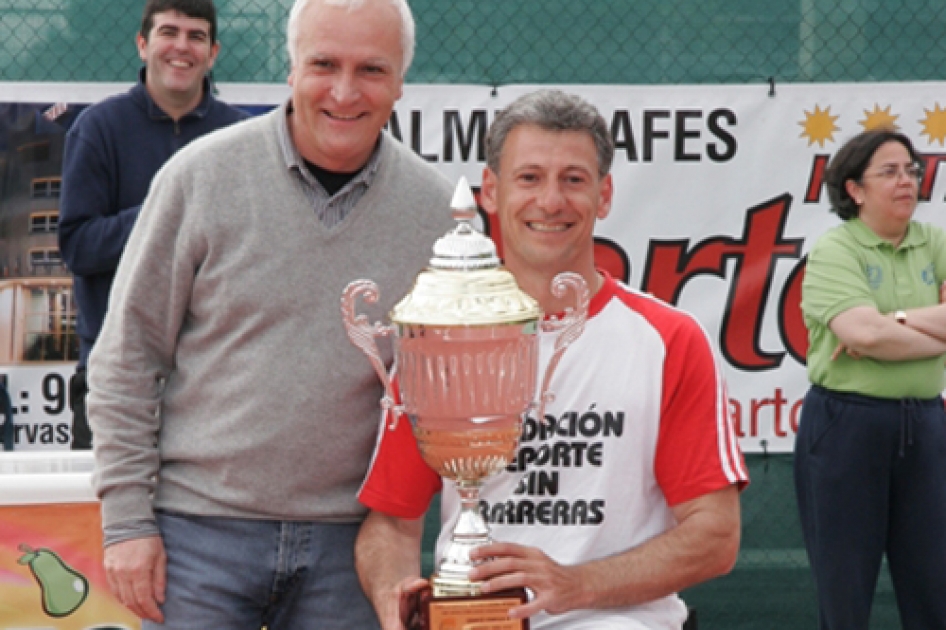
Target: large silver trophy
x=466 y=356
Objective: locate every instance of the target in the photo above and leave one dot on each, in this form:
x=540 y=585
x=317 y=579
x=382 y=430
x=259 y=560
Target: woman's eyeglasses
x=913 y=172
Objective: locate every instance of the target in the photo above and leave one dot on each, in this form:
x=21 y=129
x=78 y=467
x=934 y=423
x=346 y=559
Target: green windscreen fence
x=497 y=42
x=540 y=41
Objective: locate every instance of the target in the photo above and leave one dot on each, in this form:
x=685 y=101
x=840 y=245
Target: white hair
x=407 y=26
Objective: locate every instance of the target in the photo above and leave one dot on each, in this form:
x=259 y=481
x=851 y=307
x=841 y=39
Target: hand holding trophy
x=466 y=357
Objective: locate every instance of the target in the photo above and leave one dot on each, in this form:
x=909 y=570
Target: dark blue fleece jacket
x=111 y=154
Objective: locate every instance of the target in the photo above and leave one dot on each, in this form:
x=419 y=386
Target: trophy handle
x=571 y=324
x=362 y=334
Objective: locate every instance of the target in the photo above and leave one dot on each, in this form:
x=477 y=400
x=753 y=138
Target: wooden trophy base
x=470 y=612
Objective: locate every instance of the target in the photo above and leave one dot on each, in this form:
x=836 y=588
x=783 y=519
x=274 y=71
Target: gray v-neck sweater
x=223 y=380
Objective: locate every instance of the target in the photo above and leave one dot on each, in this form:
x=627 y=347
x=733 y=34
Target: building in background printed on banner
x=38 y=342
x=37 y=313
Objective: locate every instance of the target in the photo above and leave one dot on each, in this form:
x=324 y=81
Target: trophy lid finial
x=463 y=203
x=465 y=284
x=464 y=248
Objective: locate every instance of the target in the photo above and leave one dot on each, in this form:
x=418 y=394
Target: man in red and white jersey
x=627 y=491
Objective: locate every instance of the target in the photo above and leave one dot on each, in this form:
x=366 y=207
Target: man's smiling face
x=548 y=194
x=178 y=53
x=345 y=81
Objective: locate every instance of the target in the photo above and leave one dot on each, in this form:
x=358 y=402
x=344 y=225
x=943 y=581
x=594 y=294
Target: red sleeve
x=399 y=482
x=697 y=450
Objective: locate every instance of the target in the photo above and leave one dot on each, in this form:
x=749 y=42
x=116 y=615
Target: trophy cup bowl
x=466 y=354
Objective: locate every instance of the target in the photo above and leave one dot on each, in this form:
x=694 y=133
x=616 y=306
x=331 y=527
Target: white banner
x=718 y=199
x=39 y=395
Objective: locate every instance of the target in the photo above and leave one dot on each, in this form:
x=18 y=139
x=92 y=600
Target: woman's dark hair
x=851 y=161
x=199 y=9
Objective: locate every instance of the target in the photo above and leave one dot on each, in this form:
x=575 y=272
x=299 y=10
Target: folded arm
x=929 y=320
x=863 y=331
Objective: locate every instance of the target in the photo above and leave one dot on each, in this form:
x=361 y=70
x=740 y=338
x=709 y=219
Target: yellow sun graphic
x=819 y=126
x=880 y=119
x=934 y=125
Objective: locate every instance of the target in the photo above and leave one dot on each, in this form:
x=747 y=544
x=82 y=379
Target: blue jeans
x=239 y=574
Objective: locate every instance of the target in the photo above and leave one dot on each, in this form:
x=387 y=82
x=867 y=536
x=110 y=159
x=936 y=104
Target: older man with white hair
x=234 y=420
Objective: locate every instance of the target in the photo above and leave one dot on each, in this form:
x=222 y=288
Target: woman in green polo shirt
x=870 y=456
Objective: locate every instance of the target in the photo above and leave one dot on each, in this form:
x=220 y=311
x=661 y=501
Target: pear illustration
x=63 y=588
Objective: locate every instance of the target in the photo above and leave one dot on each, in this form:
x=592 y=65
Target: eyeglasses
x=891 y=172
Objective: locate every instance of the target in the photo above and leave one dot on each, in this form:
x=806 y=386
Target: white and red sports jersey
x=639 y=423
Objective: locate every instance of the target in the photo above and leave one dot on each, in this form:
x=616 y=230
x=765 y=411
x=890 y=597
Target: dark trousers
x=870 y=478
x=81 y=433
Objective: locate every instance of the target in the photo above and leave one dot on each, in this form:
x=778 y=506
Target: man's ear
x=606 y=195
x=214 y=51
x=488 y=191
x=142 y=44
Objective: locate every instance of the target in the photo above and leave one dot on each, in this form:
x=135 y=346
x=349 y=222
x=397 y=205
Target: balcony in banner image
x=30 y=188
x=37 y=321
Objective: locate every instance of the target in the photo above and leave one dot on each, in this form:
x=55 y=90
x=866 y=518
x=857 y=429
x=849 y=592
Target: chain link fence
x=496 y=42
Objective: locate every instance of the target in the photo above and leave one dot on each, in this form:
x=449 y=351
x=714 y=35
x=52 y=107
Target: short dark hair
x=850 y=162
x=199 y=9
x=552 y=110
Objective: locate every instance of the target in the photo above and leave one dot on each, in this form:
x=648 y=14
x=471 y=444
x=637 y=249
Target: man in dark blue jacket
x=113 y=151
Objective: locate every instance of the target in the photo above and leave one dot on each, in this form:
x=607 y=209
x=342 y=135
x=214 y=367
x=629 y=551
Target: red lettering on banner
x=776 y=402
x=670 y=265
x=735 y=412
x=758 y=408
x=612 y=258
x=795 y=413
x=791 y=323
x=931 y=162
x=815 y=181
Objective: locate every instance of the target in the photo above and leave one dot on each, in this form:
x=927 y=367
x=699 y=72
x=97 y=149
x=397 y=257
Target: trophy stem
x=453 y=575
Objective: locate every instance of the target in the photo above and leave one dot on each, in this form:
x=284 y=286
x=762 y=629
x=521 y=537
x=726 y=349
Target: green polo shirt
x=851 y=266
